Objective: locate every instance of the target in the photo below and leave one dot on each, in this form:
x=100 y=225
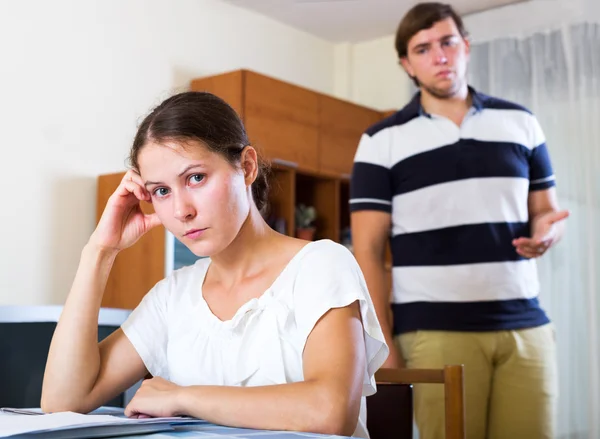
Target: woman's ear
x=249 y=163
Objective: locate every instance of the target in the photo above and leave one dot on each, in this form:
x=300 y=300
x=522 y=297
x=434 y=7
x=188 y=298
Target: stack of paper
x=74 y=425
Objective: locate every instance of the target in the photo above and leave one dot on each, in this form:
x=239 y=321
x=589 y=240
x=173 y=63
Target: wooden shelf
x=282 y=190
x=323 y=194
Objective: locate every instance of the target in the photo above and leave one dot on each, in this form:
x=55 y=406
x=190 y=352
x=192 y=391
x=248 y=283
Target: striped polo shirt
x=457 y=198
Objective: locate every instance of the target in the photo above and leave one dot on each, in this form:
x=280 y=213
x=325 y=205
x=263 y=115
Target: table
x=211 y=431
x=206 y=430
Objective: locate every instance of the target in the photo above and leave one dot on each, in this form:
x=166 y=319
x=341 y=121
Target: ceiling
x=351 y=20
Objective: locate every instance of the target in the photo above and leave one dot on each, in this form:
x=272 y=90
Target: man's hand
x=394 y=360
x=544 y=231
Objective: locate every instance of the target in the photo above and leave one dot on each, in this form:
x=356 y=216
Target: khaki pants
x=511 y=383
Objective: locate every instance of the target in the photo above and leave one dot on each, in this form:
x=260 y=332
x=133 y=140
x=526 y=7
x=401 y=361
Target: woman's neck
x=239 y=259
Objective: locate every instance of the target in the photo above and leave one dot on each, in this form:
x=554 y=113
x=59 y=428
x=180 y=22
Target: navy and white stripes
x=458 y=197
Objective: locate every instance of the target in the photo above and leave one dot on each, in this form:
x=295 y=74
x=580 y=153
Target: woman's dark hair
x=424 y=16
x=208 y=119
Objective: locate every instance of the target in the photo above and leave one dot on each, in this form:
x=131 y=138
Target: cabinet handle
x=287 y=163
x=345 y=176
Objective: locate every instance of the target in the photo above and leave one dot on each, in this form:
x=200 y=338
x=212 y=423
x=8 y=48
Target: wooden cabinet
x=323 y=193
x=292 y=125
x=137 y=268
x=310 y=138
x=228 y=86
x=341 y=127
x=388 y=113
x=282 y=196
x=282 y=120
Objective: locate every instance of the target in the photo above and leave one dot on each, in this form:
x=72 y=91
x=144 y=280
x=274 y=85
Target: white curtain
x=557 y=75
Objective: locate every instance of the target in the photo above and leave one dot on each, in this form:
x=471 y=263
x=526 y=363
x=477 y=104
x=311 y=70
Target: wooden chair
x=389 y=415
x=390 y=412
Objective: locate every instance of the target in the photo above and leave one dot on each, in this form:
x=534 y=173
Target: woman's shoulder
x=326 y=254
x=318 y=264
x=327 y=245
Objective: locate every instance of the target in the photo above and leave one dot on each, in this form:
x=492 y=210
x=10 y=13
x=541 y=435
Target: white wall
x=369 y=74
x=75 y=78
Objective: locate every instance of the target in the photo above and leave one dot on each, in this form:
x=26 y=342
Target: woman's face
x=198 y=196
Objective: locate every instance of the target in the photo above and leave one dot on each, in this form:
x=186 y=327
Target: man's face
x=438 y=58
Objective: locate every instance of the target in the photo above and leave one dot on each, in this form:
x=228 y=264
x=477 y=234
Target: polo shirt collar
x=414 y=107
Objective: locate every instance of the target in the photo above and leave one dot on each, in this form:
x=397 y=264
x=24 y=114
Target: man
x=462 y=186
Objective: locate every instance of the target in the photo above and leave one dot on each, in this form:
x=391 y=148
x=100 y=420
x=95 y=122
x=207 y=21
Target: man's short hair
x=424 y=16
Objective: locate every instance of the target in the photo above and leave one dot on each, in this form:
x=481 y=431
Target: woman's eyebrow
x=150 y=183
x=197 y=165
x=187 y=168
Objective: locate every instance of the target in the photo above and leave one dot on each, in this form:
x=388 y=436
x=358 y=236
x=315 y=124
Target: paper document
x=15 y=425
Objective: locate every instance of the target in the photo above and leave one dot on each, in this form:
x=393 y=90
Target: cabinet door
x=341 y=126
x=282 y=120
x=228 y=86
x=138 y=268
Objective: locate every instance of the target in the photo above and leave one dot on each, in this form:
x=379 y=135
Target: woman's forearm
x=74 y=359
x=303 y=406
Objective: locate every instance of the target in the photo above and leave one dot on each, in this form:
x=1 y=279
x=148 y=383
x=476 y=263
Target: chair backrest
x=390 y=412
x=25 y=335
x=23 y=352
x=452 y=378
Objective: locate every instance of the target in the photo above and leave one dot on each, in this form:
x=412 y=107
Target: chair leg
x=454 y=402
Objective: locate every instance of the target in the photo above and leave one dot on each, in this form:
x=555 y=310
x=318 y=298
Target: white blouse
x=181 y=340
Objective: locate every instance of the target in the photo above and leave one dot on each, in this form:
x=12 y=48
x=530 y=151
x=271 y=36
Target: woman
x=269 y=332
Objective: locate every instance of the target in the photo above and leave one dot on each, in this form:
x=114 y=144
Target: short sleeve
x=541 y=175
x=328 y=278
x=146 y=329
x=370 y=183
